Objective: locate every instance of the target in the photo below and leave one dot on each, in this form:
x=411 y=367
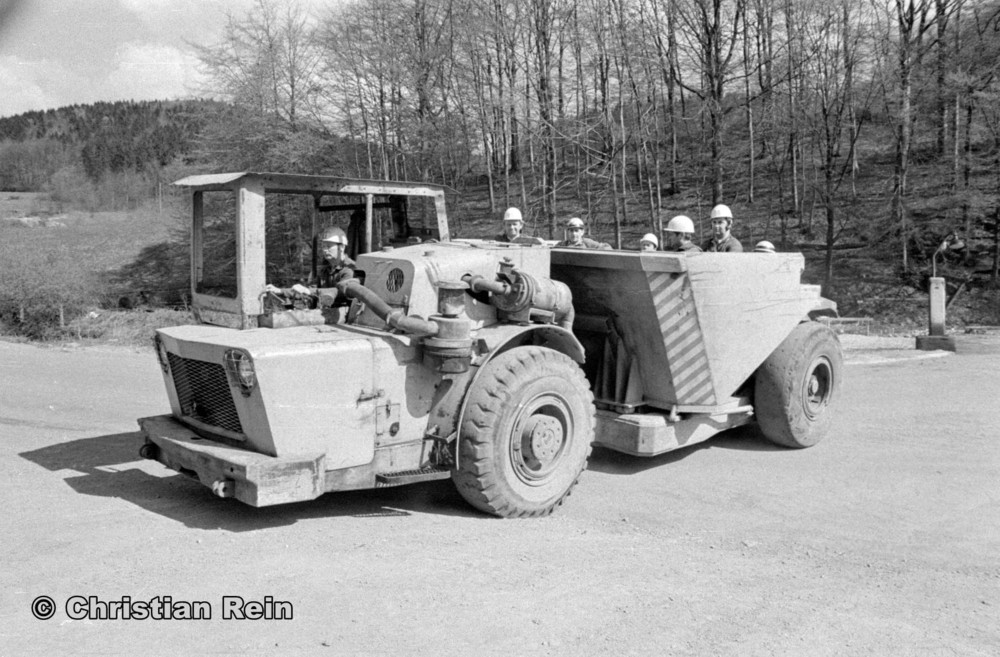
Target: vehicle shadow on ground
x=110 y=466
x=745 y=438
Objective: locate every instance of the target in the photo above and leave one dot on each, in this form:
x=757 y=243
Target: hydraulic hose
x=394 y=317
x=481 y=284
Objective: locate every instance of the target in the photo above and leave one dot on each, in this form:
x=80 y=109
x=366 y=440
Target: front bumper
x=253 y=478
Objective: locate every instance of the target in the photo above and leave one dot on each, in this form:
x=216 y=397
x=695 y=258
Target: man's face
x=333 y=252
x=675 y=239
x=720 y=228
x=576 y=235
x=512 y=229
x=646 y=246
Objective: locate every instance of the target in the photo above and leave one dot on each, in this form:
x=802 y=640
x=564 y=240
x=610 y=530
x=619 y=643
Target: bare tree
x=543 y=25
x=268 y=67
x=913 y=18
x=835 y=30
x=714 y=28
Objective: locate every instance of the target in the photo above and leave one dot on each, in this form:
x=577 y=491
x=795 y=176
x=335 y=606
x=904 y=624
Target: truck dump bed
x=681 y=331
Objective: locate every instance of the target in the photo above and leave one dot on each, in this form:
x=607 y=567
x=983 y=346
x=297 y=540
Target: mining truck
x=497 y=365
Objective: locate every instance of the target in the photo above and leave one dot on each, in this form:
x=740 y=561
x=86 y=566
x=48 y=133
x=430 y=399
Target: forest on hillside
x=86 y=153
x=825 y=121
x=828 y=125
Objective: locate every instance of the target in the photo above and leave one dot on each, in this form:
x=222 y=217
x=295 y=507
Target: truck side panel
x=747 y=304
x=673 y=330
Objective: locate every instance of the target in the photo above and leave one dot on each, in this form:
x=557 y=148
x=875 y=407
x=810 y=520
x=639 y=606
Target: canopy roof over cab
x=250 y=189
x=297 y=183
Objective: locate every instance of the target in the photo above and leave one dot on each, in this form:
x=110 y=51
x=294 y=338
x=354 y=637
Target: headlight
x=161 y=354
x=239 y=365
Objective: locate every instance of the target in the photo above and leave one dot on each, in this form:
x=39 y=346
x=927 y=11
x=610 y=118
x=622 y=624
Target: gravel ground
x=881 y=540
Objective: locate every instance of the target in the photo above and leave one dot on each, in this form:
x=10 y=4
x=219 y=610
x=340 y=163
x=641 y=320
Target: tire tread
x=475 y=476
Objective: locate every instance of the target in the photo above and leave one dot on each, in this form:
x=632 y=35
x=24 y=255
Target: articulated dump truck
x=496 y=365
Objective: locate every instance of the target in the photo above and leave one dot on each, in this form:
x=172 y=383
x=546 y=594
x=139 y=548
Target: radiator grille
x=203 y=392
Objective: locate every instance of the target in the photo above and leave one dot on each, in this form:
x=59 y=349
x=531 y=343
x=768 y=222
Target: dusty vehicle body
x=497 y=365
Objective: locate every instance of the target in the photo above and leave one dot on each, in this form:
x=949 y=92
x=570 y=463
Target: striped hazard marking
x=686 y=356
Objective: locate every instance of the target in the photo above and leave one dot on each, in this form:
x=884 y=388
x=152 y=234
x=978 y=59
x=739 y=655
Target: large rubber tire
x=797 y=387
x=526 y=435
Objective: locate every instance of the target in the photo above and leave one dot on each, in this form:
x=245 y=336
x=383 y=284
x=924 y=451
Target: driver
x=336 y=267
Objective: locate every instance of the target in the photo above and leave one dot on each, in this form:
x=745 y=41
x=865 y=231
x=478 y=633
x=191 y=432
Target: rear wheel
x=526 y=435
x=796 y=387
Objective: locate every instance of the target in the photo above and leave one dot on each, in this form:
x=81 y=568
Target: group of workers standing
x=679 y=235
x=513 y=226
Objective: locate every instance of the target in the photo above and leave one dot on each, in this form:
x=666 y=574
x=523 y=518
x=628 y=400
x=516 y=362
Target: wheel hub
x=542 y=436
x=818 y=386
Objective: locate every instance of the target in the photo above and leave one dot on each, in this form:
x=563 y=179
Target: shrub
x=40 y=291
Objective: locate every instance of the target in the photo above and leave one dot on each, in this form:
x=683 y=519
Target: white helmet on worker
x=722 y=211
x=650 y=238
x=680 y=224
x=764 y=246
x=333 y=234
x=512 y=214
x=575 y=222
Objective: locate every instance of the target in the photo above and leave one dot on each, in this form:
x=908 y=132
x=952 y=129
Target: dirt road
x=884 y=539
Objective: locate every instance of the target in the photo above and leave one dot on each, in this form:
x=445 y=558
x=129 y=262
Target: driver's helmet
x=333 y=234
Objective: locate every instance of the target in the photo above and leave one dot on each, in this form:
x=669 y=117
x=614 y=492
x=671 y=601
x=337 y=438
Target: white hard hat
x=651 y=238
x=764 y=246
x=575 y=222
x=333 y=234
x=680 y=224
x=722 y=211
x=512 y=214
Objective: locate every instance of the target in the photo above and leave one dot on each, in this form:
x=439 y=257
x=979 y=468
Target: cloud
x=144 y=71
x=28 y=85
x=85 y=51
x=139 y=72
x=143 y=6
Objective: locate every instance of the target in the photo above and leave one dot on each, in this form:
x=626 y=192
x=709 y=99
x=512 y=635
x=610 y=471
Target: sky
x=55 y=53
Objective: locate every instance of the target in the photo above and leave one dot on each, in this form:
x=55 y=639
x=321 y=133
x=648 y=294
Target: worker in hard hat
x=680 y=231
x=513 y=227
x=722 y=239
x=513 y=224
x=575 y=228
x=335 y=267
x=763 y=246
x=649 y=242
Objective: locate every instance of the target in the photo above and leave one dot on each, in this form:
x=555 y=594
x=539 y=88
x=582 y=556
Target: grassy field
x=55 y=268
x=104 y=240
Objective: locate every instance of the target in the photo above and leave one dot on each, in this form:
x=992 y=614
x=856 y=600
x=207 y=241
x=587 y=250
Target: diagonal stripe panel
x=687 y=360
